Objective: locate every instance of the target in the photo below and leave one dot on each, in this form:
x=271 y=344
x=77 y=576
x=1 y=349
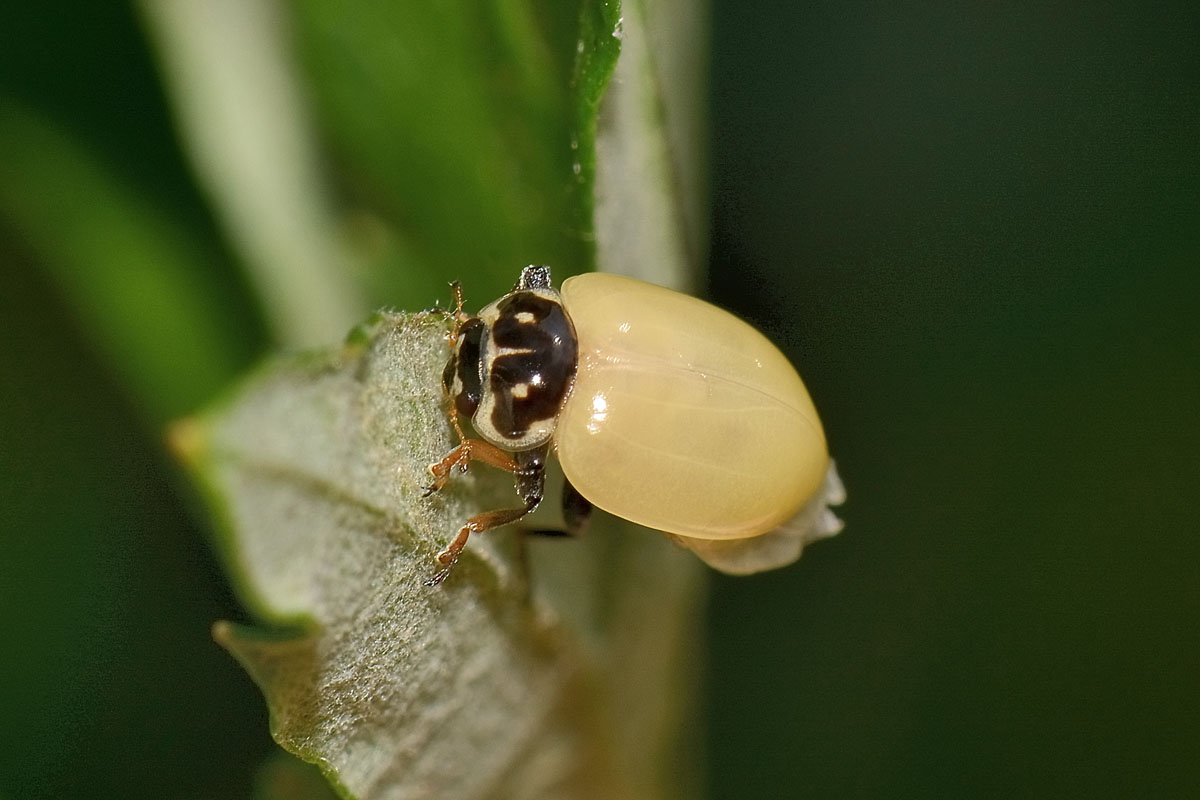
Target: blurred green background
x=978 y=235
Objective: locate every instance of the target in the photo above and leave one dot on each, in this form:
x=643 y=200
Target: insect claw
x=443 y=572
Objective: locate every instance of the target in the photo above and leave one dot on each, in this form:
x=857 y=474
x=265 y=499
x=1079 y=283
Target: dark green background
x=977 y=233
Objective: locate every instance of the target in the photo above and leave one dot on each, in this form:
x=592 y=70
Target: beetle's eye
x=462 y=376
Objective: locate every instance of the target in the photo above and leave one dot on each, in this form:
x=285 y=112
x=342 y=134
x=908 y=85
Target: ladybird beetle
x=661 y=408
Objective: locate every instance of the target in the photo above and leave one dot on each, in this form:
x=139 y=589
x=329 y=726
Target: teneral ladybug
x=661 y=408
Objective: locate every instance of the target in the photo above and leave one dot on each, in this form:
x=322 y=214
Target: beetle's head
x=463 y=376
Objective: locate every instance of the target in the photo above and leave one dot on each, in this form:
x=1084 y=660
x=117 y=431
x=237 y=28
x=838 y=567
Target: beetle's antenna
x=460 y=319
x=456 y=291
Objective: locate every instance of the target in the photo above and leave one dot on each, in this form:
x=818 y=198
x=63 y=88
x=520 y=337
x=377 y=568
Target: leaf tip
x=223 y=633
x=359 y=337
x=186 y=439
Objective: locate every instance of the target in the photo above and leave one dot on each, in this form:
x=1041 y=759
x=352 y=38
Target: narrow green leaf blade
x=650 y=178
x=241 y=115
x=453 y=123
x=139 y=279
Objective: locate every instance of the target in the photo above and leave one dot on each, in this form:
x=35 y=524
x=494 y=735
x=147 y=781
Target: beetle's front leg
x=468 y=450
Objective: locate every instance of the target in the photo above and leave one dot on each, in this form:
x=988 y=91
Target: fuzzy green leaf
x=485 y=686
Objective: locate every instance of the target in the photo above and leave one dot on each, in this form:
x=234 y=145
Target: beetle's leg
x=576 y=508
x=576 y=511
x=530 y=468
x=469 y=450
x=476 y=524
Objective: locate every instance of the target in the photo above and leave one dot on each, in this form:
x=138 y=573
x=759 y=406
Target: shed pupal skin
x=662 y=409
